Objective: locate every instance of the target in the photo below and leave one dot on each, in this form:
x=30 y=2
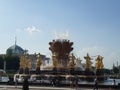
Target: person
x=96 y=84
x=76 y=81
x=114 y=82
x=53 y=81
x=16 y=81
x=25 y=84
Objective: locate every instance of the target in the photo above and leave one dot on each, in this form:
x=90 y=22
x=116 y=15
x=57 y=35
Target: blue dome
x=15 y=50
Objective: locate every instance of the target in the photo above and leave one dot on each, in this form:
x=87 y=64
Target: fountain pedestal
x=21 y=71
x=26 y=70
x=72 y=71
x=89 y=75
x=100 y=74
x=38 y=70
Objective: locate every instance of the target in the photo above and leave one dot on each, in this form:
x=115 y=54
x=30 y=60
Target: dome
x=15 y=50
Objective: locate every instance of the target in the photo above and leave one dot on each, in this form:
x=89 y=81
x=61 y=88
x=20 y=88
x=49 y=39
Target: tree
x=107 y=71
x=115 y=69
x=1 y=62
x=12 y=62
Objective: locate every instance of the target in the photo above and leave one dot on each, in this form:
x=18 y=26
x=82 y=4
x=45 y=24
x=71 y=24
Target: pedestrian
x=25 y=84
x=16 y=81
x=76 y=81
x=95 y=84
x=114 y=82
x=54 y=81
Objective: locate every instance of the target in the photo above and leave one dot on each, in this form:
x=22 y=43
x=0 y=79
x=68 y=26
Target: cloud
x=32 y=30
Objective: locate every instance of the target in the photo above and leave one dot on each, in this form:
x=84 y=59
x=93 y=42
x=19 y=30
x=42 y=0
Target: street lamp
x=4 y=67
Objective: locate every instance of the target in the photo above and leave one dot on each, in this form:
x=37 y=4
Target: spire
x=15 y=40
x=113 y=65
x=117 y=63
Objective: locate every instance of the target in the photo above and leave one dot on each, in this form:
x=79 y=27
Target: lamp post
x=4 y=63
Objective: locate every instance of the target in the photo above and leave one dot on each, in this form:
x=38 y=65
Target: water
x=111 y=81
x=106 y=82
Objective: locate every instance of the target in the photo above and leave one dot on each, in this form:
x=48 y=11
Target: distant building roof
x=15 y=50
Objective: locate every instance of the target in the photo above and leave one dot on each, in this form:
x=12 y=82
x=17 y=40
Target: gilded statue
x=79 y=60
x=71 y=62
x=25 y=62
x=88 y=61
x=29 y=64
x=39 y=61
x=22 y=62
x=99 y=62
x=55 y=61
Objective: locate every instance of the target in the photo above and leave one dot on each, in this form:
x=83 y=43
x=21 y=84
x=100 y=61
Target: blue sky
x=93 y=26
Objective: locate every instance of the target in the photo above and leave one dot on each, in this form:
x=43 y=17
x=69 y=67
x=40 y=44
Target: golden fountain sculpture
x=72 y=61
x=79 y=60
x=22 y=62
x=88 y=61
x=55 y=61
x=99 y=62
x=39 y=61
x=25 y=62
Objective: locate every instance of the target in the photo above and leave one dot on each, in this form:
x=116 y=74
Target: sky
x=93 y=26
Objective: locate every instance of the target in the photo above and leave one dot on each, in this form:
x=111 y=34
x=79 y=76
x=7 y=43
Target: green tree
x=107 y=71
x=12 y=62
x=1 y=62
x=115 y=69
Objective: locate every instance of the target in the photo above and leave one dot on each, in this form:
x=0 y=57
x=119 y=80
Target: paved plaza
x=9 y=87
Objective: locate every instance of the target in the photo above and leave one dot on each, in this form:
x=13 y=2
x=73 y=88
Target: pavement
x=12 y=87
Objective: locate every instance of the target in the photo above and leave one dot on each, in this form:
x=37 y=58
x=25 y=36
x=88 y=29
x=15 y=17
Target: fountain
x=61 y=49
x=63 y=64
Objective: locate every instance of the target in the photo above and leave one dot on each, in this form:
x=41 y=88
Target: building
x=17 y=51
